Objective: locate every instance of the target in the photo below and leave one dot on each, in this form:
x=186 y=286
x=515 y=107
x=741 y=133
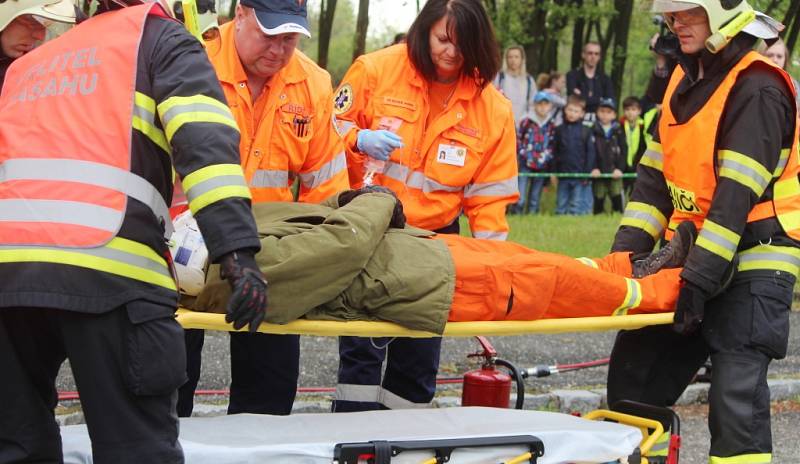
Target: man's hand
x=248 y=303
x=595 y=173
x=616 y=174
x=378 y=144
x=690 y=309
x=398 y=216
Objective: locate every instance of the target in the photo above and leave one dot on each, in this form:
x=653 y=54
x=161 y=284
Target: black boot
x=671 y=255
x=616 y=203
x=599 y=205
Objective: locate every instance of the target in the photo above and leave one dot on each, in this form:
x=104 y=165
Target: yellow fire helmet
x=725 y=17
x=55 y=10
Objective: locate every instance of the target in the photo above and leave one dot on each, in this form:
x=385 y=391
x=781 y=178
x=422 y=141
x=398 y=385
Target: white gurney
x=311 y=438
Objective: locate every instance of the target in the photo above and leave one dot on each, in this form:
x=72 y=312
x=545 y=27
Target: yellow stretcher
x=212 y=321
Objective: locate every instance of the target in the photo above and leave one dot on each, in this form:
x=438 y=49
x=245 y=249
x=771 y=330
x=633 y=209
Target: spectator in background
x=610 y=150
x=638 y=133
x=779 y=54
x=589 y=81
x=659 y=79
x=535 y=141
x=515 y=83
x=574 y=152
x=399 y=38
x=555 y=83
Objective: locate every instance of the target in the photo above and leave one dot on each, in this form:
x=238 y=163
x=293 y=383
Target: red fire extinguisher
x=489 y=386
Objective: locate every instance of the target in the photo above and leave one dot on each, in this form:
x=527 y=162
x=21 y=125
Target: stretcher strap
x=212 y=321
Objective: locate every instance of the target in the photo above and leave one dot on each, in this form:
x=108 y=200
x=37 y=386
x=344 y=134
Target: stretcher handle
x=644 y=425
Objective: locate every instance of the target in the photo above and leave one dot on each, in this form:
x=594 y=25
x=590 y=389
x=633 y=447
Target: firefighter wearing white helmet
x=94 y=126
x=724 y=156
x=24 y=25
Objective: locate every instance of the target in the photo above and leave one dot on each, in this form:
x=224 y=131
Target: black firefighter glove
x=690 y=309
x=248 y=303
x=398 y=216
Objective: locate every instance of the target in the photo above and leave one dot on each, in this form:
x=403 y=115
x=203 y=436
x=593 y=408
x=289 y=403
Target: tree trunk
x=792 y=23
x=622 y=25
x=232 y=10
x=362 y=23
x=327 y=9
x=577 y=37
x=535 y=50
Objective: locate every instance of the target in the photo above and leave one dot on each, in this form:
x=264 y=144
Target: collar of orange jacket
x=222 y=50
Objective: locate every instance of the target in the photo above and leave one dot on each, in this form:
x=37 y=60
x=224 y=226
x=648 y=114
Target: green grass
x=575 y=236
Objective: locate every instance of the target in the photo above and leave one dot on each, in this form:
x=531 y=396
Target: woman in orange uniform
x=423 y=119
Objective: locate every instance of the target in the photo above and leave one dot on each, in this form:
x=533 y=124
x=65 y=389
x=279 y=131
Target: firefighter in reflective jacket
x=445 y=138
x=724 y=157
x=91 y=125
x=281 y=101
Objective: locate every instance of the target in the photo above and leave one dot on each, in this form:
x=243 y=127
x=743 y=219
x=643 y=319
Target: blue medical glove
x=378 y=144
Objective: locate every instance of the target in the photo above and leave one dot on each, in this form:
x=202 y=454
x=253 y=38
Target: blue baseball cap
x=280 y=16
x=608 y=103
x=542 y=96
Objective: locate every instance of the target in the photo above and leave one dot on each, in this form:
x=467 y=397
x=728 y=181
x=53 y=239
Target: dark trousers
x=743 y=330
x=411 y=367
x=264 y=372
x=127 y=364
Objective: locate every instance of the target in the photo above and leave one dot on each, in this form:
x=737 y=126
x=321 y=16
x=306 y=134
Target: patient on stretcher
x=353 y=258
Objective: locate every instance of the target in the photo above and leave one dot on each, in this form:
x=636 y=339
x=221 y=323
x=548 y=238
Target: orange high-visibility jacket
x=466 y=160
x=691 y=164
x=293 y=136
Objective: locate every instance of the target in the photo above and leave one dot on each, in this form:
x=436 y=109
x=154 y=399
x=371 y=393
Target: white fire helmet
x=189 y=253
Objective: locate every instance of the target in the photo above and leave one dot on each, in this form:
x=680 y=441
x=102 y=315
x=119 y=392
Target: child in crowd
x=634 y=137
x=535 y=139
x=611 y=153
x=574 y=152
x=555 y=84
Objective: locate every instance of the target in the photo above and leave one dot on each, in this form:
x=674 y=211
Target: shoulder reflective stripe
x=588 y=261
x=177 y=111
x=760 y=458
x=744 y=170
x=493 y=189
x=633 y=298
x=62 y=212
x=653 y=159
x=144 y=118
x=784 y=158
x=314 y=179
x=770 y=257
x=87 y=172
x=395 y=401
x=354 y=392
x=342 y=127
x=120 y=257
x=645 y=217
x=489 y=235
x=265 y=178
x=718 y=240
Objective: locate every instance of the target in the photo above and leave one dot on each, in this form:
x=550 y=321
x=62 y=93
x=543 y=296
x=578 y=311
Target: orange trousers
x=498 y=281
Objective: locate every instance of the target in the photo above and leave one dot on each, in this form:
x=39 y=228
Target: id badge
x=451 y=154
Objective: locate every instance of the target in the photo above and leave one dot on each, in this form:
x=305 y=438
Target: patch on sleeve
x=343 y=99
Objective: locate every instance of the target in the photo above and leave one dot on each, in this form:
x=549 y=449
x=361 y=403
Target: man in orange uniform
x=427 y=111
x=282 y=104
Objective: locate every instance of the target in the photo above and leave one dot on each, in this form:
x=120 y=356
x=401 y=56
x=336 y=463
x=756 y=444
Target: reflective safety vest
x=641 y=126
x=691 y=162
x=66 y=117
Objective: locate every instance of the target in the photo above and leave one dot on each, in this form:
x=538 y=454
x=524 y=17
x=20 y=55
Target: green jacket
x=329 y=263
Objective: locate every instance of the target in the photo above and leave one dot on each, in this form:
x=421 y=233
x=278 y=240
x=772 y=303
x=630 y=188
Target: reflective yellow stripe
x=156 y=273
x=786 y=188
x=744 y=170
x=770 y=257
x=143 y=120
x=633 y=298
x=177 y=111
x=645 y=217
x=229 y=183
x=653 y=159
x=589 y=262
x=655 y=146
x=784 y=158
x=718 y=240
x=661 y=446
x=760 y=458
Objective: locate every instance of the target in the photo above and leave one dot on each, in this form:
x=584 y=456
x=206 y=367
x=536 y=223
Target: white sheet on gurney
x=310 y=438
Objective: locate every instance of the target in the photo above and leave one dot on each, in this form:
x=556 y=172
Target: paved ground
x=319 y=361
